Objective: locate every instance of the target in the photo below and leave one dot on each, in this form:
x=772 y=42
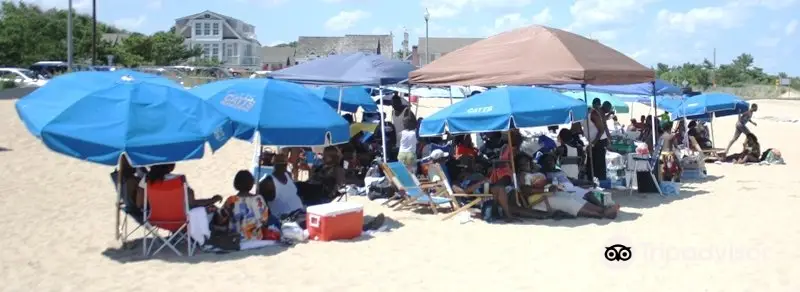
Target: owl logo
x=618 y=252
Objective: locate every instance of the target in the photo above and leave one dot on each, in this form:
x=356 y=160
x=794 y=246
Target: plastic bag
x=292 y=231
x=669 y=188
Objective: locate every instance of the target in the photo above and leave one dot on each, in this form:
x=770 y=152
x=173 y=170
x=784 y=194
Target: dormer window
x=207 y=15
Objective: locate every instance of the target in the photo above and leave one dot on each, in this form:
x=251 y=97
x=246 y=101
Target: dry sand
x=733 y=232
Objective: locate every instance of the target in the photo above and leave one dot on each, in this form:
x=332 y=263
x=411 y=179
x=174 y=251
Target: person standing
x=741 y=125
x=407 y=150
x=598 y=142
x=400 y=112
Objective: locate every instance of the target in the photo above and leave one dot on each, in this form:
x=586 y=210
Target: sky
x=650 y=31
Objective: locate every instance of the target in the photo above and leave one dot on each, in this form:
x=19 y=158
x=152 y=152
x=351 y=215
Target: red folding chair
x=166 y=208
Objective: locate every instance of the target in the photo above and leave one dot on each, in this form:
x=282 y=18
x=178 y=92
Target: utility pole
x=69 y=36
x=714 y=71
x=94 y=32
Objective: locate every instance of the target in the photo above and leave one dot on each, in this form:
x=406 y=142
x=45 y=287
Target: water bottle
x=596 y=183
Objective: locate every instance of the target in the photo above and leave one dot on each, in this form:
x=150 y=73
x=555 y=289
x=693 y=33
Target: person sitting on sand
x=284 y=203
x=751 y=151
x=563 y=198
x=501 y=174
x=163 y=172
x=245 y=213
x=464 y=146
x=569 y=154
x=325 y=180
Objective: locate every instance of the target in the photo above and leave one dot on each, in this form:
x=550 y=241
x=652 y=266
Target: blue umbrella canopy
x=92 y=116
x=502 y=108
x=647 y=88
x=709 y=104
x=151 y=78
x=347 y=69
x=352 y=97
x=284 y=113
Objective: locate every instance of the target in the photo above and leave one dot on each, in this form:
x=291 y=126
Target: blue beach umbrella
x=709 y=104
x=284 y=113
x=501 y=108
x=91 y=116
x=352 y=97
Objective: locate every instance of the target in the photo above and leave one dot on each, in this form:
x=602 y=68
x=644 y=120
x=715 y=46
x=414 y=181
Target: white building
x=223 y=38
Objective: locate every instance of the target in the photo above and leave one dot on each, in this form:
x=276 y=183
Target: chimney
x=415 y=56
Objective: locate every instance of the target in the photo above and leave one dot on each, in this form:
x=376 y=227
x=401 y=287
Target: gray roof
x=114 y=38
x=444 y=45
x=277 y=54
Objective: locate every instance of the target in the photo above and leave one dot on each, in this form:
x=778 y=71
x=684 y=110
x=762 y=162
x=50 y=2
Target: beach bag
x=225 y=240
x=380 y=190
x=669 y=188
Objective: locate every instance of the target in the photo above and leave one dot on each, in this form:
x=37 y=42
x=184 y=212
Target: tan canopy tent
x=534 y=55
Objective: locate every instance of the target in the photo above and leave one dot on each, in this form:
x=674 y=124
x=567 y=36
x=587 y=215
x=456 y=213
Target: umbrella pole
x=257 y=157
x=339 y=107
x=588 y=137
x=117 y=234
x=712 y=131
x=383 y=126
x=513 y=168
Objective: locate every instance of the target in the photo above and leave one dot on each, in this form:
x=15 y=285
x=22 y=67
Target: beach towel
x=198 y=225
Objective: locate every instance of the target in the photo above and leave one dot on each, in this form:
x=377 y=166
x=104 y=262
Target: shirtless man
x=741 y=125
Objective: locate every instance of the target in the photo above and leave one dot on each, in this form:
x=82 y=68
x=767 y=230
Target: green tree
x=29 y=34
x=741 y=71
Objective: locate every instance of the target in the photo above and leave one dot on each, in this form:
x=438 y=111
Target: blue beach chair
x=411 y=191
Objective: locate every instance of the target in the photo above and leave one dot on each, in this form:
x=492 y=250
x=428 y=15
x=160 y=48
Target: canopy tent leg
x=588 y=137
x=383 y=126
x=450 y=93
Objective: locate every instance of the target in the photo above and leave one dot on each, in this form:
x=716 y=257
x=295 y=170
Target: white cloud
x=345 y=20
x=729 y=15
x=588 y=13
x=450 y=8
x=639 y=54
x=275 y=43
x=81 y=6
x=791 y=27
x=517 y=20
x=704 y=17
x=154 y=4
x=130 y=23
x=543 y=17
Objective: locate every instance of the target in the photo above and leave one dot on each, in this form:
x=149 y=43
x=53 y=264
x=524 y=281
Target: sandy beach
x=732 y=232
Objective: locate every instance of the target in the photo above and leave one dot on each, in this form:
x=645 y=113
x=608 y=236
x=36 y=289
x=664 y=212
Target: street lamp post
x=427 y=40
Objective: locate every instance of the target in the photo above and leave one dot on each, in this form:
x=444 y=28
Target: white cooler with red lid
x=334 y=221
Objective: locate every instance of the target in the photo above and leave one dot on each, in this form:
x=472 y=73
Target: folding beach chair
x=167 y=208
x=411 y=192
x=436 y=169
x=651 y=164
x=125 y=206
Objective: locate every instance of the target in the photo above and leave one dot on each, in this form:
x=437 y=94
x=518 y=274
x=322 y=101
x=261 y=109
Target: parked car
x=22 y=77
x=49 y=68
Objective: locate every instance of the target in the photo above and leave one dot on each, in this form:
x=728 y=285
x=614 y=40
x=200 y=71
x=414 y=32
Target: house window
x=229 y=50
x=216 y=28
x=198 y=28
x=206 y=28
x=235 y=49
x=206 y=51
x=215 y=51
